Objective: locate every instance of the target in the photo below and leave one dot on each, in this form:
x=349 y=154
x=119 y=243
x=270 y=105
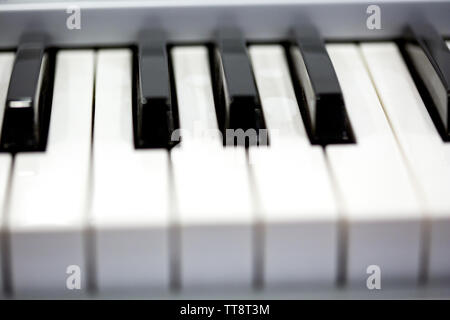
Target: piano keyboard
x=130 y=164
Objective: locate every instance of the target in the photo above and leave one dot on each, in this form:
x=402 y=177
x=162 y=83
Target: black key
x=238 y=103
x=430 y=57
x=28 y=103
x=155 y=105
x=318 y=89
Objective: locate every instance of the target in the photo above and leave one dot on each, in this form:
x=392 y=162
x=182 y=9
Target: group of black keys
x=28 y=105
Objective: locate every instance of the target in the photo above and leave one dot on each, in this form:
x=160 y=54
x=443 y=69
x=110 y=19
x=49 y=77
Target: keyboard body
x=119 y=22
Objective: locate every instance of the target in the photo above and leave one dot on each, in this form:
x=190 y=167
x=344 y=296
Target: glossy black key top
x=430 y=57
x=27 y=110
x=155 y=108
x=317 y=85
x=238 y=105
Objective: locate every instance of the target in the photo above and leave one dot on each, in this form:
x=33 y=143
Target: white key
x=280 y=108
x=294 y=192
x=211 y=185
x=382 y=215
x=130 y=205
x=6 y=64
x=427 y=155
x=47 y=212
x=197 y=114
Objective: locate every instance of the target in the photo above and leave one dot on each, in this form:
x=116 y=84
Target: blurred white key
x=427 y=155
x=6 y=64
x=294 y=192
x=211 y=185
x=130 y=204
x=382 y=214
x=47 y=212
x=198 y=121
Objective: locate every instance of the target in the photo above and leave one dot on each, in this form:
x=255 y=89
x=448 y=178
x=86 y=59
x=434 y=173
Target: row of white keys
x=6 y=64
x=295 y=198
x=130 y=196
x=379 y=204
x=214 y=211
x=131 y=191
x=48 y=199
x=427 y=155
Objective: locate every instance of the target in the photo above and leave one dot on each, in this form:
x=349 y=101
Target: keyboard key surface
x=29 y=98
x=318 y=89
x=430 y=57
x=6 y=65
x=155 y=108
x=214 y=210
x=49 y=190
x=382 y=216
x=239 y=106
x=426 y=154
x=130 y=195
x=294 y=197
